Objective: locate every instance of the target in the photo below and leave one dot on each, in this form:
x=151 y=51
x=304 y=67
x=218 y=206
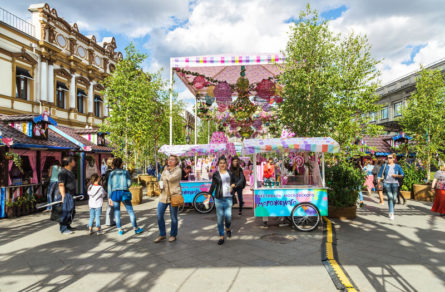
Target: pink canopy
x=226 y=68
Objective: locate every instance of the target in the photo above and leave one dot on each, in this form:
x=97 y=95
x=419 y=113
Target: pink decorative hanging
x=265 y=89
x=199 y=82
x=223 y=93
x=221 y=107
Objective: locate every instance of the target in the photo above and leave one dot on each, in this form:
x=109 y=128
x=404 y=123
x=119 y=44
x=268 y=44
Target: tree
x=138 y=108
x=424 y=116
x=329 y=83
x=203 y=130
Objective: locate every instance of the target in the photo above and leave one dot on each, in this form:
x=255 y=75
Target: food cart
x=304 y=204
x=196 y=192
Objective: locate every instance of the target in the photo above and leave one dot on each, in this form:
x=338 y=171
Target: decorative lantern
x=265 y=89
x=223 y=93
x=210 y=91
x=199 y=82
x=209 y=100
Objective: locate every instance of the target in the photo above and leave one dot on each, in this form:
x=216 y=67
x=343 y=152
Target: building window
x=61 y=89
x=80 y=101
x=384 y=113
x=398 y=108
x=22 y=78
x=373 y=116
x=97 y=106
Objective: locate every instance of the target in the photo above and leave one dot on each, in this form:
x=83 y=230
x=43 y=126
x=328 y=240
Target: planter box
x=423 y=193
x=406 y=194
x=136 y=195
x=342 y=212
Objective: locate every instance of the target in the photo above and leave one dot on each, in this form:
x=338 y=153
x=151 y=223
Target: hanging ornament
x=199 y=82
x=265 y=89
x=223 y=93
x=209 y=100
x=210 y=91
x=222 y=107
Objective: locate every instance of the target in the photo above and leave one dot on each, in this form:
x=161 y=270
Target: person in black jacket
x=221 y=185
x=239 y=181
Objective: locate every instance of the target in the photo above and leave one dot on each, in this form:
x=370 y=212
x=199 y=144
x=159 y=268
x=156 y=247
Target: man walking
x=67 y=188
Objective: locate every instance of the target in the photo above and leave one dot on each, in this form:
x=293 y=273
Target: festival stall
x=304 y=203
x=196 y=192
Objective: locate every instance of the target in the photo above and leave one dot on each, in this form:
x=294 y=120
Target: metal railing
x=16 y=22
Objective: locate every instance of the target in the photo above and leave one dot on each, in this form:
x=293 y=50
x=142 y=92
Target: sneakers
x=67 y=232
x=99 y=232
x=361 y=204
x=391 y=216
x=229 y=233
x=90 y=231
x=221 y=241
x=120 y=232
x=139 y=230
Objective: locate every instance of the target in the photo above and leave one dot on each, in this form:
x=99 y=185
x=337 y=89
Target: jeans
x=391 y=190
x=360 y=196
x=95 y=213
x=117 y=213
x=239 y=192
x=50 y=194
x=223 y=213
x=68 y=211
x=109 y=215
x=173 y=216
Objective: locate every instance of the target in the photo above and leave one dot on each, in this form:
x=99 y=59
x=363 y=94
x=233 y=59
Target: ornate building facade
x=48 y=65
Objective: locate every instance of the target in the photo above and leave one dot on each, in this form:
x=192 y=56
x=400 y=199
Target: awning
x=20 y=72
x=198 y=150
x=318 y=144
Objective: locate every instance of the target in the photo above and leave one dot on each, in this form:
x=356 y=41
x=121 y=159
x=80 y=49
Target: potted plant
x=10 y=209
x=413 y=175
x=136 y=193
x=344 y=181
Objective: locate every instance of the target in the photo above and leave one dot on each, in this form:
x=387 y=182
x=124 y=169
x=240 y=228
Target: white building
x=47 y=65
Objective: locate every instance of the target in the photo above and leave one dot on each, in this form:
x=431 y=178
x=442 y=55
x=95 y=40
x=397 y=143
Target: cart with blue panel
x=196 y=193
x=303 y=204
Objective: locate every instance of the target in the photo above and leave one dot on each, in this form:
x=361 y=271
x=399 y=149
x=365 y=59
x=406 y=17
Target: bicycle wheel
x=305 y=217
x=203 y=203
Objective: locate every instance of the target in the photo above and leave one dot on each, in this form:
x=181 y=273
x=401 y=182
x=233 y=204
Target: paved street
x=378 y=255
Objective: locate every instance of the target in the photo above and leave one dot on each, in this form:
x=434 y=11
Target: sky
x=403 y=34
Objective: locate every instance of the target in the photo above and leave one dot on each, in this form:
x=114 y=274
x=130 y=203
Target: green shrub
x=344 y=181
x=413 y=175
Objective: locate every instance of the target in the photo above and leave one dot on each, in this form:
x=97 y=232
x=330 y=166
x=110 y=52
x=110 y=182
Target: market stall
x=196 y=192
x=305 y=204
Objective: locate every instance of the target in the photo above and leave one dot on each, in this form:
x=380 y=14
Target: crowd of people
x=228 y=183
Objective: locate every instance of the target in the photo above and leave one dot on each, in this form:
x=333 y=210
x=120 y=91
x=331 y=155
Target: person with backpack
x=389 y=174
x=96 y=194
x=119 y=182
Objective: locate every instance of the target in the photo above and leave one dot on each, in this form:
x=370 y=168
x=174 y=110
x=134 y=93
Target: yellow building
x=48 y=65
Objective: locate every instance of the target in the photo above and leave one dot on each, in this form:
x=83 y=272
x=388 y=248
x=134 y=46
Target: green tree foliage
x=203 y=130
x=139 y=110
x=424 y=116
x=329 y=83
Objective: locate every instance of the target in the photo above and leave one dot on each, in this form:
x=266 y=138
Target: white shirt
x=96 y=196
x=225 y=178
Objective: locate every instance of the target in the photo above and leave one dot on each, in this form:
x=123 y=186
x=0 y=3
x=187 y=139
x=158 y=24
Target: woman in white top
x=221 y=185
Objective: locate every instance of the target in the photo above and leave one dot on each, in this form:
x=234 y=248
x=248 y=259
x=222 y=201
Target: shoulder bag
x=177 y=200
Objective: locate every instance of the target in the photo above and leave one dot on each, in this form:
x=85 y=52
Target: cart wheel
x=305 y=216
x=203 y=203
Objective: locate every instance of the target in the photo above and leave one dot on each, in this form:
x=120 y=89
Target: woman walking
x=239 y=182
x=221 y=185
x=389 y=174
x=369 y=182
x=378 y=185
x=170 y=185
x=439 y=187
x=119 y=182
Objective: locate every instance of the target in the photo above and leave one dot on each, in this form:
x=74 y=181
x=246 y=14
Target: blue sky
x=403 y=34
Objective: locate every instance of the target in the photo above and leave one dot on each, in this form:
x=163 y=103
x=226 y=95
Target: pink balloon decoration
x=223 y=93
x=265 y=89
x=199 y=82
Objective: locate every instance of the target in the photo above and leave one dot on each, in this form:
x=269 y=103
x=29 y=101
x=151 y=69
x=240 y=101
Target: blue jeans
x=117 y=213
x=95 y=213
x=50 y=194
x=360 y=196
x=391 y=192
x=68 y=211
x=223 y=214
x=173 y=216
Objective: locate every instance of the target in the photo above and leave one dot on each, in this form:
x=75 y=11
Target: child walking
x=96 y=195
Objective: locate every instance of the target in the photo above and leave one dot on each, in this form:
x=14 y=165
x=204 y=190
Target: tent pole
x=171 y=103
x=322 y=169
x=196 y=130
x=254 y=172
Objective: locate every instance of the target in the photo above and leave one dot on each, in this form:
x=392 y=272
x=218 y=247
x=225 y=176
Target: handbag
x=177 y=200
